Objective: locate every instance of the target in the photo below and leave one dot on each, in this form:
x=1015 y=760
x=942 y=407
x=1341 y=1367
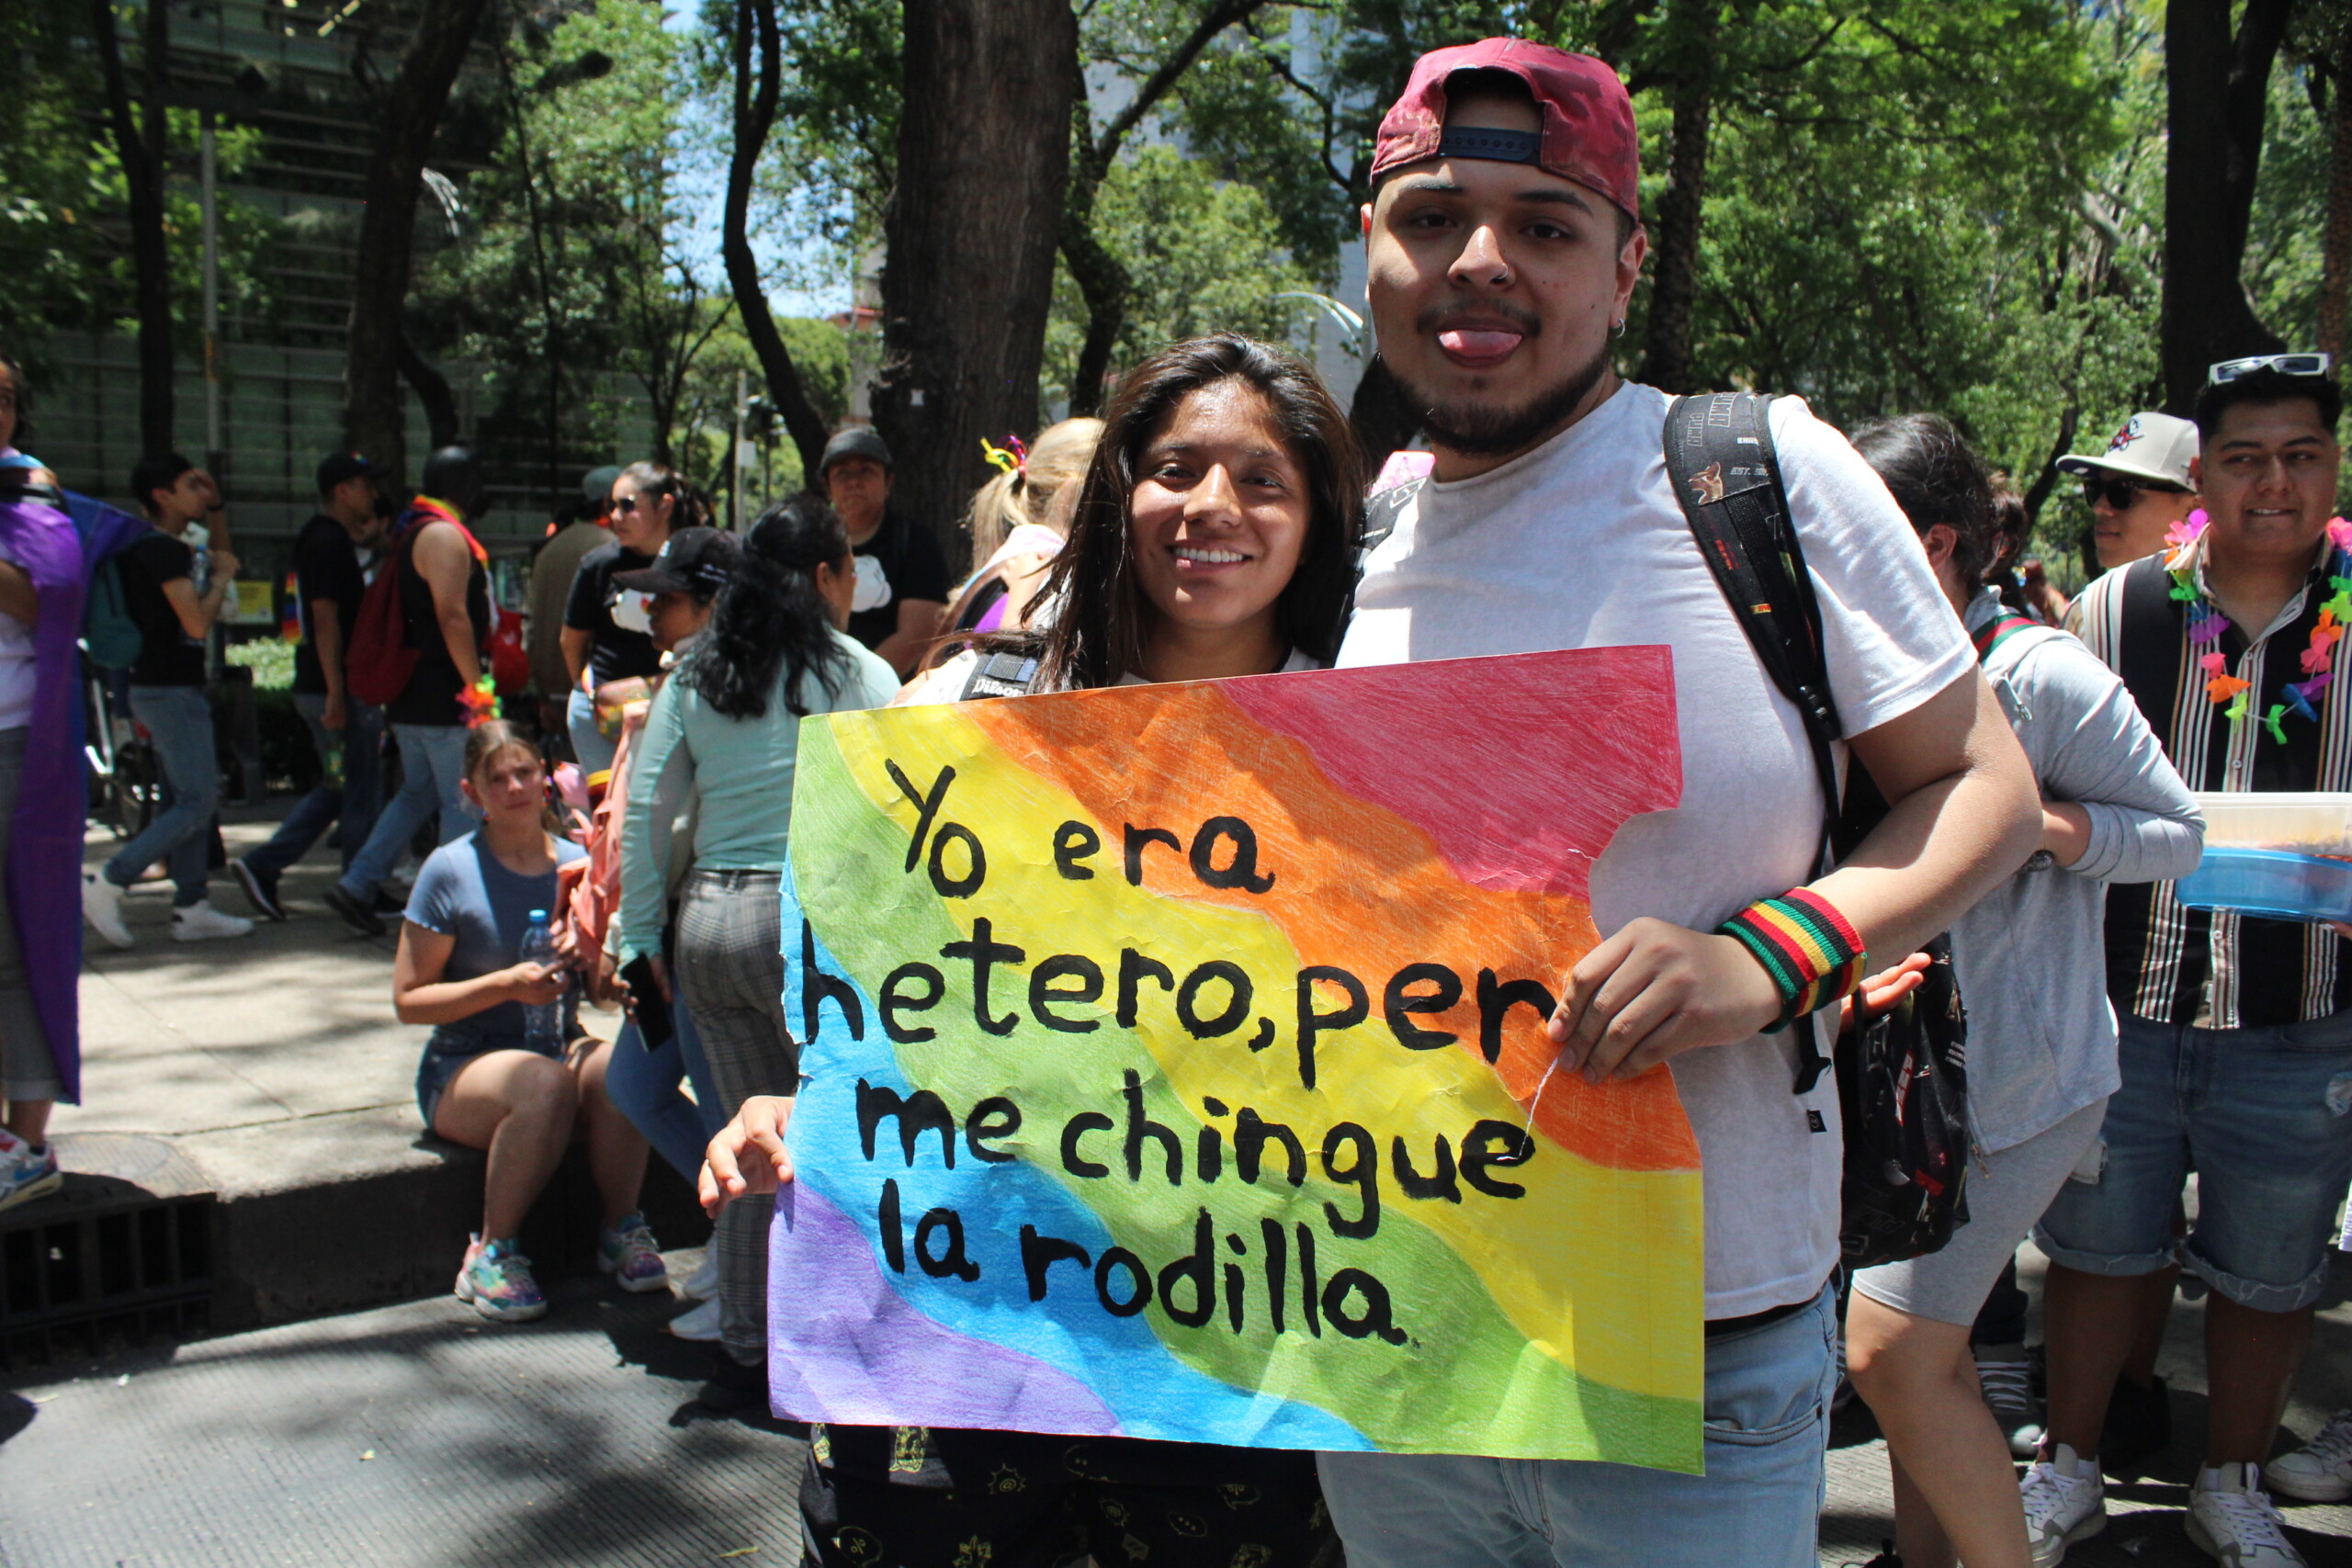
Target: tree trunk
x=2216 y=90
x=374 y=421
x=2335 y=244
x=432 y=390
x=1102 y=279
x=1674 y=283
x=141 y=149
x=983 y=158
x=755 y=100
x=1384 y=421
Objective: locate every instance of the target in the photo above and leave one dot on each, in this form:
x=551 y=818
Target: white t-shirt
x=1581 y=544
x=16 y=676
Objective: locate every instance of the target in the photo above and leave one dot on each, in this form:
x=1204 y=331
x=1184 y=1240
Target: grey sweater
x=2030 y=957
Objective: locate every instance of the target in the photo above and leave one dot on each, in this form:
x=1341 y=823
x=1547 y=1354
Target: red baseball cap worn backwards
x=1588 y=134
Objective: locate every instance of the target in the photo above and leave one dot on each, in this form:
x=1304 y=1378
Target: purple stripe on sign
x=845 y=1347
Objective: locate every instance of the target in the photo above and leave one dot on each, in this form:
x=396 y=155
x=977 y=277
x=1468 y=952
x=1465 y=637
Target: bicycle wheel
x=137 y=788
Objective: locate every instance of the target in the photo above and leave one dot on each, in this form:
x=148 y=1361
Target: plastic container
x=2306 y=824
x=542 y=1023
x=2268 y=883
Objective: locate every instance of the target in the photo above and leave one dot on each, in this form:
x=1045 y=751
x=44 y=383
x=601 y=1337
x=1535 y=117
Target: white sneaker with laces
x=2321 y=1470
x=2065 y=1502
x=2232 y=1520
x=2008 y=1393
x=102 y=906
x=699 y=1323
x=200 y=921
x=702 y=1285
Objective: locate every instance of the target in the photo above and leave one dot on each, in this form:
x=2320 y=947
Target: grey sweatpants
x=26 y=1071
x=729 y=968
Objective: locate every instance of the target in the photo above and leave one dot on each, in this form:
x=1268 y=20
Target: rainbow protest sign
x=1176 y=1068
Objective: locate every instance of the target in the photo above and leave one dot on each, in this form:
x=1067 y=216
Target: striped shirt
x=2217 y=968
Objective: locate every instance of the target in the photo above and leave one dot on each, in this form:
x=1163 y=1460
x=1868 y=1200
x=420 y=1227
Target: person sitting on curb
x=487 y=1081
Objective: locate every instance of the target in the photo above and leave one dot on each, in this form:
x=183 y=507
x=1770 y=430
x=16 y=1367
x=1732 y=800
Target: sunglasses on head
x=2284 y=363
x=2122 y=494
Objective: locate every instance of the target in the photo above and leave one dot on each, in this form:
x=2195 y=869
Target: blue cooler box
x=2270 y=883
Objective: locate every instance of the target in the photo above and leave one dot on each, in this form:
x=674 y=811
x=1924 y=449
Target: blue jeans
x=593 y=753
x=179 y=721
x=356 y=800
x=1757 y=1506
x=644 y=1084
x=432 y=764
x=2263 y=1116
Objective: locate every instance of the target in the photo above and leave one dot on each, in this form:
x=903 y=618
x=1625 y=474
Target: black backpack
x=1902 y=1074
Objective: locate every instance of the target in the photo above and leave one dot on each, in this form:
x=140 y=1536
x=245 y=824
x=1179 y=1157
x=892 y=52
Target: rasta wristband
x=1812 y=953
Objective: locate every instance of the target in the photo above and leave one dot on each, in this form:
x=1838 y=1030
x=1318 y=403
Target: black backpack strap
x=1720 y=459
x=1001 y=676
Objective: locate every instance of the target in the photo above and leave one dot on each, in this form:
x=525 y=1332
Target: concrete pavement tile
x=168 y=1092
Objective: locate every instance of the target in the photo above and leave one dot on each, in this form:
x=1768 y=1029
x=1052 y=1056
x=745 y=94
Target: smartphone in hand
x=646 y=1003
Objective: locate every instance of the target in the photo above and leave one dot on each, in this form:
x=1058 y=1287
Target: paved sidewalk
x=408 y=1437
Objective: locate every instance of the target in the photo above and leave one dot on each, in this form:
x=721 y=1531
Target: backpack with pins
x=1902 y=1074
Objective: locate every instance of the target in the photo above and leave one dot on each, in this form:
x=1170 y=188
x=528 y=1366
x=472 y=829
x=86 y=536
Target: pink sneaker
x=496 y=1281
x=626 y=1252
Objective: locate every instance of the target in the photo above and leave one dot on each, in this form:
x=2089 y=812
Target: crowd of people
x=2035 y=766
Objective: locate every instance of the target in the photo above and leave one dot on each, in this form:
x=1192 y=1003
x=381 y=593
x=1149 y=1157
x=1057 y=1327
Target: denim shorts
x=1758 y=1505
x=446 y=1057
x=2263 y=1116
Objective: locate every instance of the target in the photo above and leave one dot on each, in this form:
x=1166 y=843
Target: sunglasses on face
x=2285 y=363
x=623 y=504
x=2123 y=494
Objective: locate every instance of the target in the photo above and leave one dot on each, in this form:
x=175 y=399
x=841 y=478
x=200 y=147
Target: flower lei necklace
x=2206 y=624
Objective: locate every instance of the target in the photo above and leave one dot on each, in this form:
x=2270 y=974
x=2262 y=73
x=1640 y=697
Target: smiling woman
x=1216 y=531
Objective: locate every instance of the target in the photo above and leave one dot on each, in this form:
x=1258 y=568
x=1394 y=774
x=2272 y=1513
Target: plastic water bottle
x=542 y=1024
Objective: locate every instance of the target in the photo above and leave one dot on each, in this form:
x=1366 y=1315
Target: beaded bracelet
x=1813 y=955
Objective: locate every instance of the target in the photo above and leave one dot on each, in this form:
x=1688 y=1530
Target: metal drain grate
x=85 y=1280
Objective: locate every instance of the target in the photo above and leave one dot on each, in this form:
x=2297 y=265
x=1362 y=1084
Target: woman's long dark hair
x=1935 y=477
x=770 y=616
x=1100 y=619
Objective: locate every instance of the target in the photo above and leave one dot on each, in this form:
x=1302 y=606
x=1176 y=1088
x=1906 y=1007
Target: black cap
x=693 y=560
x=856 y=441
x=339 y=466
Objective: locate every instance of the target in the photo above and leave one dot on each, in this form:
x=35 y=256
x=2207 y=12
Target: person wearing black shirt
x=902 y=574
x=649 y=504
x=444 y=584
x=346 y=734
x=161 y=577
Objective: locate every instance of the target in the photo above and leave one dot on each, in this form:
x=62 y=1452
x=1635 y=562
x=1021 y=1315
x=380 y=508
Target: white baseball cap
x=2150 y=447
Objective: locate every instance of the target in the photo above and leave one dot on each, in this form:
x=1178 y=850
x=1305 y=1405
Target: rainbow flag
x=1175 y=1068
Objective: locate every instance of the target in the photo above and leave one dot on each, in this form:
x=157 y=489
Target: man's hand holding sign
x=1177 y=1065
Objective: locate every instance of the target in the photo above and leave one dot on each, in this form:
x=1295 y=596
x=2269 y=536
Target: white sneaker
x=698 y=1323
x=200 y=921
x=2065 y=1502
x=702 y=1285
x=2232 y=1520
x=2008 y=1393
x=2321 y=1470
x=102 y=906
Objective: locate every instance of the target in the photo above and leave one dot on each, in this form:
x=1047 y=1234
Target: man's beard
x=1488 y=430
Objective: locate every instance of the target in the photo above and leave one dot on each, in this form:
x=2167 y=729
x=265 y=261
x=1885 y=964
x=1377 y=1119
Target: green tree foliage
x=64 y=251
x=1206 y=254
x=566 y=263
